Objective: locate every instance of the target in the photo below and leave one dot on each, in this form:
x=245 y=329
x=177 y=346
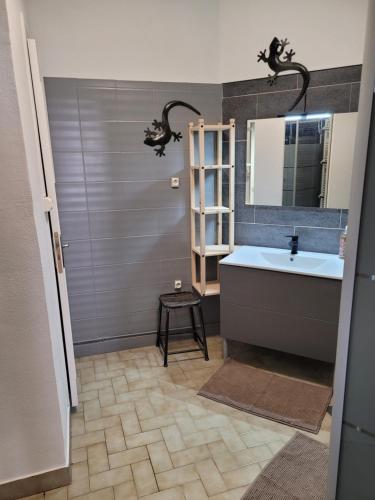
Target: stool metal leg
x=159 y=325
x=166 y=338
x=193 y=323
x=203 y=332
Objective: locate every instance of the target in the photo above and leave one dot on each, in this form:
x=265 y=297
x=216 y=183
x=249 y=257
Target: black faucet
x=293 y=243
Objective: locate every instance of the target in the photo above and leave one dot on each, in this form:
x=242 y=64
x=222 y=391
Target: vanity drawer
x=288 y=312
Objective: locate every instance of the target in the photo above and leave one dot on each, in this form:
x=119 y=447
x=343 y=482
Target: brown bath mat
x=286 y=400
x=297 y=472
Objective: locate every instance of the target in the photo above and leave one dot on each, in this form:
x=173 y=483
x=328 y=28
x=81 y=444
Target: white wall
x=34 y=400
x=161 y=40
x=208 y=41
x=323 y=33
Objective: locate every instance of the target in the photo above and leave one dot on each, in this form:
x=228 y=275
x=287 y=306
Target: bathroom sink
x=276 y=259
x=288 y=260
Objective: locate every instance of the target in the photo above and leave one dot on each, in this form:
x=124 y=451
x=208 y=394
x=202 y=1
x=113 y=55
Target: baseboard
x=36 y=484
x=123 y=342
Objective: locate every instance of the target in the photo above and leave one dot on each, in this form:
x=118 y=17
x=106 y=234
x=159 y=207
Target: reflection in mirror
x=306 y=156
x=303 y=161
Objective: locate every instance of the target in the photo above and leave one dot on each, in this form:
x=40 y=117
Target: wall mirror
x=300 y=161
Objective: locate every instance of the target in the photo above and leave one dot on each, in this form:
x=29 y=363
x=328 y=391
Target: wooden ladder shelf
x=211 y=241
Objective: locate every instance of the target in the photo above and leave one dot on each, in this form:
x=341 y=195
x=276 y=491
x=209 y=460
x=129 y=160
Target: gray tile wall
x=335 y=90
x=128 y=231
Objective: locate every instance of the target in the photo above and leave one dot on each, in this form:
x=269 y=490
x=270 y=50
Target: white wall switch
x=177 y=284
x=175 y=182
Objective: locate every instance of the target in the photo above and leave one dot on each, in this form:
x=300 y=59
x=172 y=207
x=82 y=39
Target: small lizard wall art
x=162 y=132
x=278 y=64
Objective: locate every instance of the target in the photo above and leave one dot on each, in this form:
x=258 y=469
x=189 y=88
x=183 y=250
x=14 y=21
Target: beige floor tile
x=259 y=436
x=92 y=410
x=176 y=477
x=57 y=494
x=130 y=424
x=173 y=438
x=80 y=471
x=87 y=396
x=202 y=437
x=241 y=477
x=159 y=456
x=125 y=491
x=232 y=440
x=114 y=438
x=185 y=422
x=128 y=457
x=103 y=423
x=107 y=397
x=144 y=409
x=105 y=494
x=97 y=458
x=79 y=455
x=223 y=458
x=235 y=494
x=131 y=396
x=190 y=456
x=120 y=384
x=172 y=494
x=118 y=409
x=210 y=477
x=211 y=422
x=157 y=422
x=109 y=374
x=79 y=487
x=254 y=454
x=98 y=384
x=143 y=384
x=87 y=375
x=195 y=491
x=77 y=425
x=110 y=478
x=143 y=438
x=144 y=478
x=87 y=439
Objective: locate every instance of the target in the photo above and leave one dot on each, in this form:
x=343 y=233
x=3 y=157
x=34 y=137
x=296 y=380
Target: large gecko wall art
x=275 y=62
x=162 y=132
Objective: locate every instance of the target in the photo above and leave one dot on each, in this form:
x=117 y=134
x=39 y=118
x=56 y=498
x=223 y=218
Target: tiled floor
x=142 y=432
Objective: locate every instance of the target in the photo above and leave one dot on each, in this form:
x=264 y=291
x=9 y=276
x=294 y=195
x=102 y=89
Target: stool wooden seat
x=179 y=300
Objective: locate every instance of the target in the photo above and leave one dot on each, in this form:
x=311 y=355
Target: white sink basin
x=275 y=259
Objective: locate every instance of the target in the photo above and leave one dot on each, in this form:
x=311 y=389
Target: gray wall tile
x=124 y=166
x=241 y=109
x=298 y=216
x=259 y=86
x=319 y=239
x=71 y=196
x=68 y=167
x=74 y=225
x=262 y=235
x=126 y=195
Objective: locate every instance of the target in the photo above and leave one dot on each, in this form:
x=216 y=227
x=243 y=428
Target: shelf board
x=212 y=250
x=210 y=167
x=213 y=210
x=212 y=288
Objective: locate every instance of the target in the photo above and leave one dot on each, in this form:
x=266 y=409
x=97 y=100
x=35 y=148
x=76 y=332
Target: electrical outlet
x=177 y=284
x=175 y=182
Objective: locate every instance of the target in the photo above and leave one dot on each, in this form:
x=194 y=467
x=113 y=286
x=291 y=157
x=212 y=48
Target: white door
x=51 y=207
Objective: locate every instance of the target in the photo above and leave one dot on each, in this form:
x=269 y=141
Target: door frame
x=50 y=207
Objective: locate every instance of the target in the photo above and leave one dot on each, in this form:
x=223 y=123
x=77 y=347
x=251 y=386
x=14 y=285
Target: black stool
x=179 y=300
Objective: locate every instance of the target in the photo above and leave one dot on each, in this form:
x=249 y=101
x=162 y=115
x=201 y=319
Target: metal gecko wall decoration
x=274 y=61
x=162 y=132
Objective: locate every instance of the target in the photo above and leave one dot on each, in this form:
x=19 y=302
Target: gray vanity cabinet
x=288 y=312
